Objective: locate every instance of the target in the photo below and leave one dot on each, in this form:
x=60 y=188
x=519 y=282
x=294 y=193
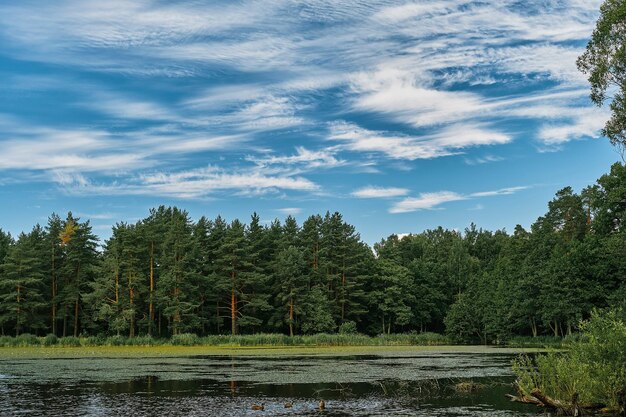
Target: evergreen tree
x=22 y=303
x=80 y=260
x=291 y=282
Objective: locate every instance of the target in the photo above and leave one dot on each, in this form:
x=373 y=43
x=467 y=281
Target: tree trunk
x=76 y=318
x=555 y=328
x=132 y=312
x=151 y=308
x=64 y=321
x=291 y=317
x=217 y=316
x=17 y=321
x=77 y=300
x=533 y=326
x=343 y=296
x=54 y=295
x=176 y=318
x=117 y=285
x=233 y=312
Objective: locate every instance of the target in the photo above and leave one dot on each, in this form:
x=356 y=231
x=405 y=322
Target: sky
x=403 y=116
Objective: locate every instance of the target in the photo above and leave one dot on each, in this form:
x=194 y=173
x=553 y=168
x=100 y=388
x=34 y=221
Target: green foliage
x=69 y=341
x=317 y=313
x=604 y=62
x=349 y=327
x=185 y=339
x=593 y=366
x=50 y=340
x=166 y=275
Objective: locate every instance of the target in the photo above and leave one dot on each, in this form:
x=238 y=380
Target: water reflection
x=229 y=386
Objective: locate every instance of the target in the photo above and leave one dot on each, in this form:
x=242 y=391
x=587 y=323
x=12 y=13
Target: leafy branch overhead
x=604 y=62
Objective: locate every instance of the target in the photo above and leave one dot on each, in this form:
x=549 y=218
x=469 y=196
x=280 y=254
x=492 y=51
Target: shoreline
x=47 y=352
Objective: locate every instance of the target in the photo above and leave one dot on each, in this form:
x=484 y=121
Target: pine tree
x=177 y=287
x=79 y=266
x=21 y=284
x=291 y=284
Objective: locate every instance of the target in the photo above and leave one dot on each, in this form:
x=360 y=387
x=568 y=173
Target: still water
x=383 y=384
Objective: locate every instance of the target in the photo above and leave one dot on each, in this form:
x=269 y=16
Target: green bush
x=116 y=340
x=93 y=341
x=50 y=340
x=185 y=339
x=69 y=341
x=6 y=341
x=142 y=341
x=348 y=327
x=593 y=366
x=27 y=339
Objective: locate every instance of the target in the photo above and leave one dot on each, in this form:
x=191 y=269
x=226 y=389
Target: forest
x=167 y=275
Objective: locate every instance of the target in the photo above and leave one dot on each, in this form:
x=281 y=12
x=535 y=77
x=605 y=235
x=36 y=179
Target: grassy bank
x=188 y=339
x=272 y=340
x=552 y=342
x=39 y=352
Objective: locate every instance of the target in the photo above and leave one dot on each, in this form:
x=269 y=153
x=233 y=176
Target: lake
x=375 y=382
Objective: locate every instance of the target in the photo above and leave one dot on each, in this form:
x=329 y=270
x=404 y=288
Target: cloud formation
x=195 y=99
x=430 y=201
x=380 y=192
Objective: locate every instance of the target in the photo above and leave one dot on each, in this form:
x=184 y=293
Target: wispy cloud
x=430 y=201
x=380 y=192
x=502 y=191
x=483 y=160
x=192 y=184
x=289 y=211
x=448 y=141
x=354 y=87
x=426 y=201
x=305 y=158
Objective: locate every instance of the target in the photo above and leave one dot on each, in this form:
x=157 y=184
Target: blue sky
x=401 y=115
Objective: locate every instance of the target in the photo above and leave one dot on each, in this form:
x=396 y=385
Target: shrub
x=348 y=327
x=185 y=339
x=593 y=367
x=116 y=340
x=69 y=341
x=50 y=340
x=142 y=341
x=27 y=339
x=6 y=341
x=92 y=341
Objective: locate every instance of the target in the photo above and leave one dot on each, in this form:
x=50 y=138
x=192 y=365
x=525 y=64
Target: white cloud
x=585 y=124
x=278 y=64
x=191 y=184
x=379 y=192
x=267 y=114
x=483 y=160
x=304 y=157
x=40 y=148
x=97 y=216
x=502 y=191
x=425 y=201
x=446 y=141
x=429 y=201
x=394 y=91
x=289 y=211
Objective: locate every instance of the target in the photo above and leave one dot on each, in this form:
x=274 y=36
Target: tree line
x=166 y=275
